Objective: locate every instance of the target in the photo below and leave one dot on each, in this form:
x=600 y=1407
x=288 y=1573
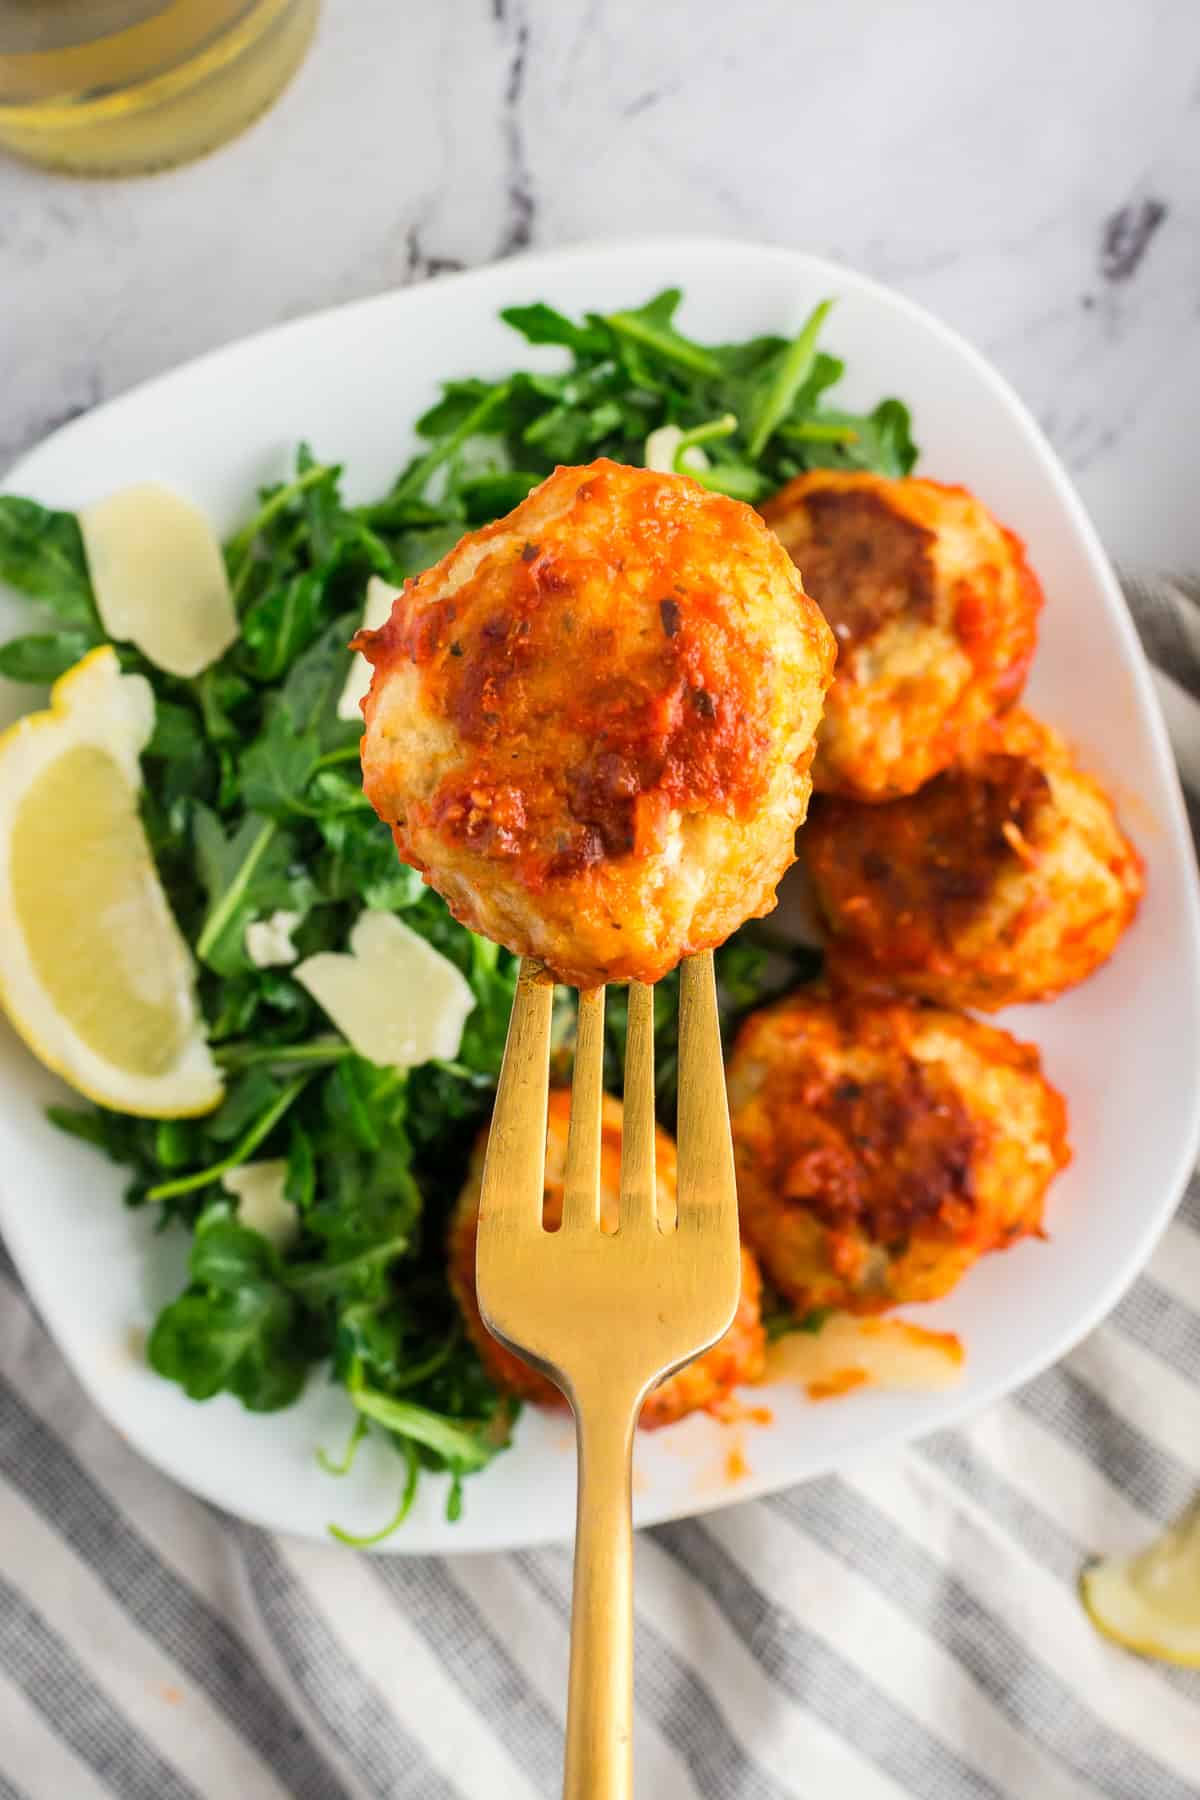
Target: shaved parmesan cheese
x=397 y=999
x=269 y=941
x=159 y=577
x=262 y=1206
x=849 y=1352
x=376 y=612
x=662 y=447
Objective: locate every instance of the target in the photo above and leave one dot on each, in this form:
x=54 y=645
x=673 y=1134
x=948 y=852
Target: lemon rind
x=1121 y=1615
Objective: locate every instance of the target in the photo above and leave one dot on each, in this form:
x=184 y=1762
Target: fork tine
x=707 y=1188
x=515 y=1169
x=581 y=1192
x=639 y=1210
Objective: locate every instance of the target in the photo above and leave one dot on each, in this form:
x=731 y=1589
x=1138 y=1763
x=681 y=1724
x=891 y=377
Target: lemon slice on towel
x=1151 y=1602
x=94 y=973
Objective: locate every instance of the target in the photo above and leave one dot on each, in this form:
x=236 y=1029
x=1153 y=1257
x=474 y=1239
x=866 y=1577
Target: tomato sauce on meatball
x=1006 y=879
x=934 y=608
x=882 y=1148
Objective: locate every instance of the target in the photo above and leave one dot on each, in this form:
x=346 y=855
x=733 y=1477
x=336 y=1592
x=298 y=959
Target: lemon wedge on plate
x=1151 y=1602
x=94 y=973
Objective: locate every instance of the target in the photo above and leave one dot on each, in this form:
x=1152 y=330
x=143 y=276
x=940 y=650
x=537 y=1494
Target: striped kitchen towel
x=910 y=1628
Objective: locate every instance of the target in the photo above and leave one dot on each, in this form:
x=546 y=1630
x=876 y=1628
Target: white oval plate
x=1125 y=1047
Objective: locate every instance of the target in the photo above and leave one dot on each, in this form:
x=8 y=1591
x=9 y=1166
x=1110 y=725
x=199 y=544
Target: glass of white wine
x=120 y=87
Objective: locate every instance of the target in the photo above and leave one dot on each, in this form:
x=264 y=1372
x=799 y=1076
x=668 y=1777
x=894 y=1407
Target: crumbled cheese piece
x=159 y=577
x=662 y=447
x=269 y=941
x=262 y=1206
x=399 y=1001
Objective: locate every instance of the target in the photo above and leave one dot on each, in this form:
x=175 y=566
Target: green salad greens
x=253 y=803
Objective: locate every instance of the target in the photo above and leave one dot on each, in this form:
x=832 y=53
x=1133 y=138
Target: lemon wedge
x=1151 y=1602
x=159 y=577
x=94 y=973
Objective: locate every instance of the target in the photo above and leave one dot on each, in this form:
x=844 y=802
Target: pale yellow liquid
x=123 y=86
x=103 y=945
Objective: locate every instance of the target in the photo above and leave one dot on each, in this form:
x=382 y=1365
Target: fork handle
x=599 y=1750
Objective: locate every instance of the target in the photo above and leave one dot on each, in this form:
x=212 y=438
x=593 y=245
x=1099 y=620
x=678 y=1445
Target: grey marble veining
x=1030 y=171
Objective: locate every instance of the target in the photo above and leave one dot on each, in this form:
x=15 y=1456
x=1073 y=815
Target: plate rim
x=1050 y=467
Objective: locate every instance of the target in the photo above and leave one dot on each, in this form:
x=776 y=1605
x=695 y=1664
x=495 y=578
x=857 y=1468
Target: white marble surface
x=1030 y=170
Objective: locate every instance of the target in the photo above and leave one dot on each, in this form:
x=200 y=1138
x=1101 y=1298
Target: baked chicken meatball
x=590 y=725
x=737 y=1358
x=1006 y=879
x=934 y=608
x=882 y=1148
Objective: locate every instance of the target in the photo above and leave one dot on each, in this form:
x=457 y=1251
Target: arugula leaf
x=400 y=512
x=650 y=328
x=281 y=624
x=365 y=1212
x=277 y=768
x=176 y=1142
x=246 y=1099
x=342 y=1466
x=300 y=1186
x=541 y=324
x=301 y=732
x=462 y=1447
x=360 y=862
x=470 y=422
x=493 y=977
x=41 y=659
x=235 y=1329
x=736 y=479
x=321 y=504
x=894 y=452
x=586 y=412
x=181 y=765
x=178 y=733
x=790 y=370
x=247 y=1144
x=365 y=1104
x=360 y=1540
x=418 y=550
x=488 y=497
x=395 y=1343
x=42 y=555
x=247 y=874
x=110 y=1132
x=255 y=546
x=224 y=698
x=460 y=401
x=314 y=684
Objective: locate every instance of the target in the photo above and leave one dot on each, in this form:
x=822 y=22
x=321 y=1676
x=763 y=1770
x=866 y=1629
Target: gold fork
x=607 y=1315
